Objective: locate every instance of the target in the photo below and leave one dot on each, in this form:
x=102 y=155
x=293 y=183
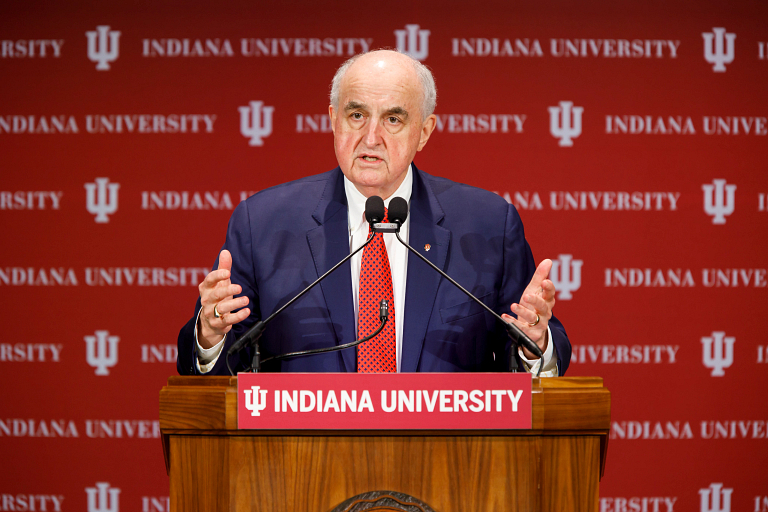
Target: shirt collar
x=356 y=200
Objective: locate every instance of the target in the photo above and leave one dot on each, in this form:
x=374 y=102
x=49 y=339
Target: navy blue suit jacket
x=283 y=238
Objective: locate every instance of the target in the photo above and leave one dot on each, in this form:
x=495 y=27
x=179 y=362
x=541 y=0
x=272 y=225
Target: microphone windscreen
x=398 y=210
x=374 y=209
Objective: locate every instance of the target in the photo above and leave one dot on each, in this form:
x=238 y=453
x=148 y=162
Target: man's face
x=378 y=127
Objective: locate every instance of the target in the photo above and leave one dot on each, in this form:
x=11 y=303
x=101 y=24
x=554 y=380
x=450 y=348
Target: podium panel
x=554 y=466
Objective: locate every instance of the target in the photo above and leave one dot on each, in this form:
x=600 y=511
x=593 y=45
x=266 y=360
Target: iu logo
x=719 y=200
x=101 y=199
x=103 y=46
x=256 y=122
x=565 y=122
x=718 y=352
x=413 y=42
x=103 y=498
x=715 y=499
x=101 y=351
x=566 y=275
x=718 y=48
x=255 y=400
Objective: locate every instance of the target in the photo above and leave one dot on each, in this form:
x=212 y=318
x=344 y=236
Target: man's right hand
x=217 y=291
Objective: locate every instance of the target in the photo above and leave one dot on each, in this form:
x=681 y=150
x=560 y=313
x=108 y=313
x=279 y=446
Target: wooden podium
x=555 y=466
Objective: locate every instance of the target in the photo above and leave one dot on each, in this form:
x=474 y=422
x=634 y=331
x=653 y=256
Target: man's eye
x=357 y=115
x=393 y=120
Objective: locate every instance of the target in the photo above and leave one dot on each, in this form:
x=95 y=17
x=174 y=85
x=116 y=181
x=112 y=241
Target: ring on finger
x=219 y=315
x=536 y=322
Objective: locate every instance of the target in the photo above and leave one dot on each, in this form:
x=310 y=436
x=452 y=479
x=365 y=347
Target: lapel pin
x=427 y=247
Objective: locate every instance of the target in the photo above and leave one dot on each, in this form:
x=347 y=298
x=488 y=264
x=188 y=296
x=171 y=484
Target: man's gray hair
x=425 y=77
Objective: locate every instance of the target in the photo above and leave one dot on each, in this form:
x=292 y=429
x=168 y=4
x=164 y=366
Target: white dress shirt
x=397 y=253
x=398 y=262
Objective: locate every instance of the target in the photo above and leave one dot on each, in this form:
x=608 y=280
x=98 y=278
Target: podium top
x=562 y=406
x=208 y=405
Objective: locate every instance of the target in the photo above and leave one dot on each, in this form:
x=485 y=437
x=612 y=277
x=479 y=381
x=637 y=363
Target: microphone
x=374 y=209
x=398 y=212
x=374 y=212
x=377 y=212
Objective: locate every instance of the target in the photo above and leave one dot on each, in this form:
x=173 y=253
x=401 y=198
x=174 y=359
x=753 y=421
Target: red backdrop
x=666 y=101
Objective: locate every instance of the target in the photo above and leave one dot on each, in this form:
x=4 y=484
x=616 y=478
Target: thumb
x=225 y=260
x=542 y=272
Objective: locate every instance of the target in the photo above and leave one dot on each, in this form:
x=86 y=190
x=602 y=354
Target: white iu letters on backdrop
x=256 y=122
x=566 y=275
x=413 y=42
x=103 y=498
x=101 y=351
x=718 y=48
x=719 y=200
x=715 y=499
x=101 y=199
x=717 y=352
x=103 y=46
x=565 y=122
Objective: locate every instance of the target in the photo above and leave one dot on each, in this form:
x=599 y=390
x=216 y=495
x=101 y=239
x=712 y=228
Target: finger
x=221 y=293
x=524 y=313
x=535 y=333
x=542 y=272
x=548 y=290
x=536 y=303
x=213 y=278
x=227 y=306
x=225 y=260
x=230 y=319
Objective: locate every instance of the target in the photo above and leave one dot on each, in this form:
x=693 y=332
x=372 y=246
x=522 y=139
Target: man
x=283 y=238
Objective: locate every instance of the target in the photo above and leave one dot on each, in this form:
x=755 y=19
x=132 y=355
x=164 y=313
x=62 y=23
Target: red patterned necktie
x=379 y=354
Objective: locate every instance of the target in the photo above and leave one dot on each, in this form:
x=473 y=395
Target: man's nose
x=372 y=134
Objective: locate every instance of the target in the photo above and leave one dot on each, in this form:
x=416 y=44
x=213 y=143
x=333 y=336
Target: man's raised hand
x=535 y=308
x=217 y=296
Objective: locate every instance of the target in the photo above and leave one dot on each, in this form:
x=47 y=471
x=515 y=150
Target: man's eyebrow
x=355 y=105
x=399 y=111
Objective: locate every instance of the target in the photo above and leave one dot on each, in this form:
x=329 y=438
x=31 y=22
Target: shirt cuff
x=548 y=358
x=207 y=357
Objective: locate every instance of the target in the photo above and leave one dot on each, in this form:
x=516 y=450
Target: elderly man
x=283 y=238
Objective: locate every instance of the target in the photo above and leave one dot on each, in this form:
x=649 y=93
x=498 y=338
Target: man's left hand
x=535 y=308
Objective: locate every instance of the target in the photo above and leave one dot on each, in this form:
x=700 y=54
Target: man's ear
x=332 y=115
x=426 y=130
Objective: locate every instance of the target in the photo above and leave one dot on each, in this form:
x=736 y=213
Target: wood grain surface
x=553 y=467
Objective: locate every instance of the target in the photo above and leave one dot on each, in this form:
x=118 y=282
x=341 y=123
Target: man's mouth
x=370 y=158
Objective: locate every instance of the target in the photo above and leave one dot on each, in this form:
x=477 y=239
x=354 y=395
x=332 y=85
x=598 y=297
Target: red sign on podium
x=384 y=401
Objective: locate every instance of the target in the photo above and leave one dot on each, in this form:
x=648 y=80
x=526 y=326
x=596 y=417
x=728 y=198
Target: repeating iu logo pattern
x=256 y=122
x=717 y=352
x=718 y=48
x=103 y=46
x=101 y=199
x=413 y=41
x=715 y=499
x=101 y=351
x=103 y=498
x=566 y=275
x=565 y=122
x=719 y=200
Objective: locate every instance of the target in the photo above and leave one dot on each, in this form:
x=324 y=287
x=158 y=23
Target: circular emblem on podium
x=383 y=501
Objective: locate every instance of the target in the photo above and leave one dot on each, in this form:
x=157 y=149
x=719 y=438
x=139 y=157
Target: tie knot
x=386 y=215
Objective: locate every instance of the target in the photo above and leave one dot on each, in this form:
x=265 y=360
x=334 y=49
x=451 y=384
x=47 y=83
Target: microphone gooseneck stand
x=398 y=212
x=254 y=333
x=374 y=213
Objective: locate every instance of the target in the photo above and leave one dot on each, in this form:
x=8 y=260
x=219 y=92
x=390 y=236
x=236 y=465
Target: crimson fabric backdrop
x=631 y=136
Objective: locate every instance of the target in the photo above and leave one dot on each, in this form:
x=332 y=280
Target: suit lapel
x=329 y=243
x=422 y=281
